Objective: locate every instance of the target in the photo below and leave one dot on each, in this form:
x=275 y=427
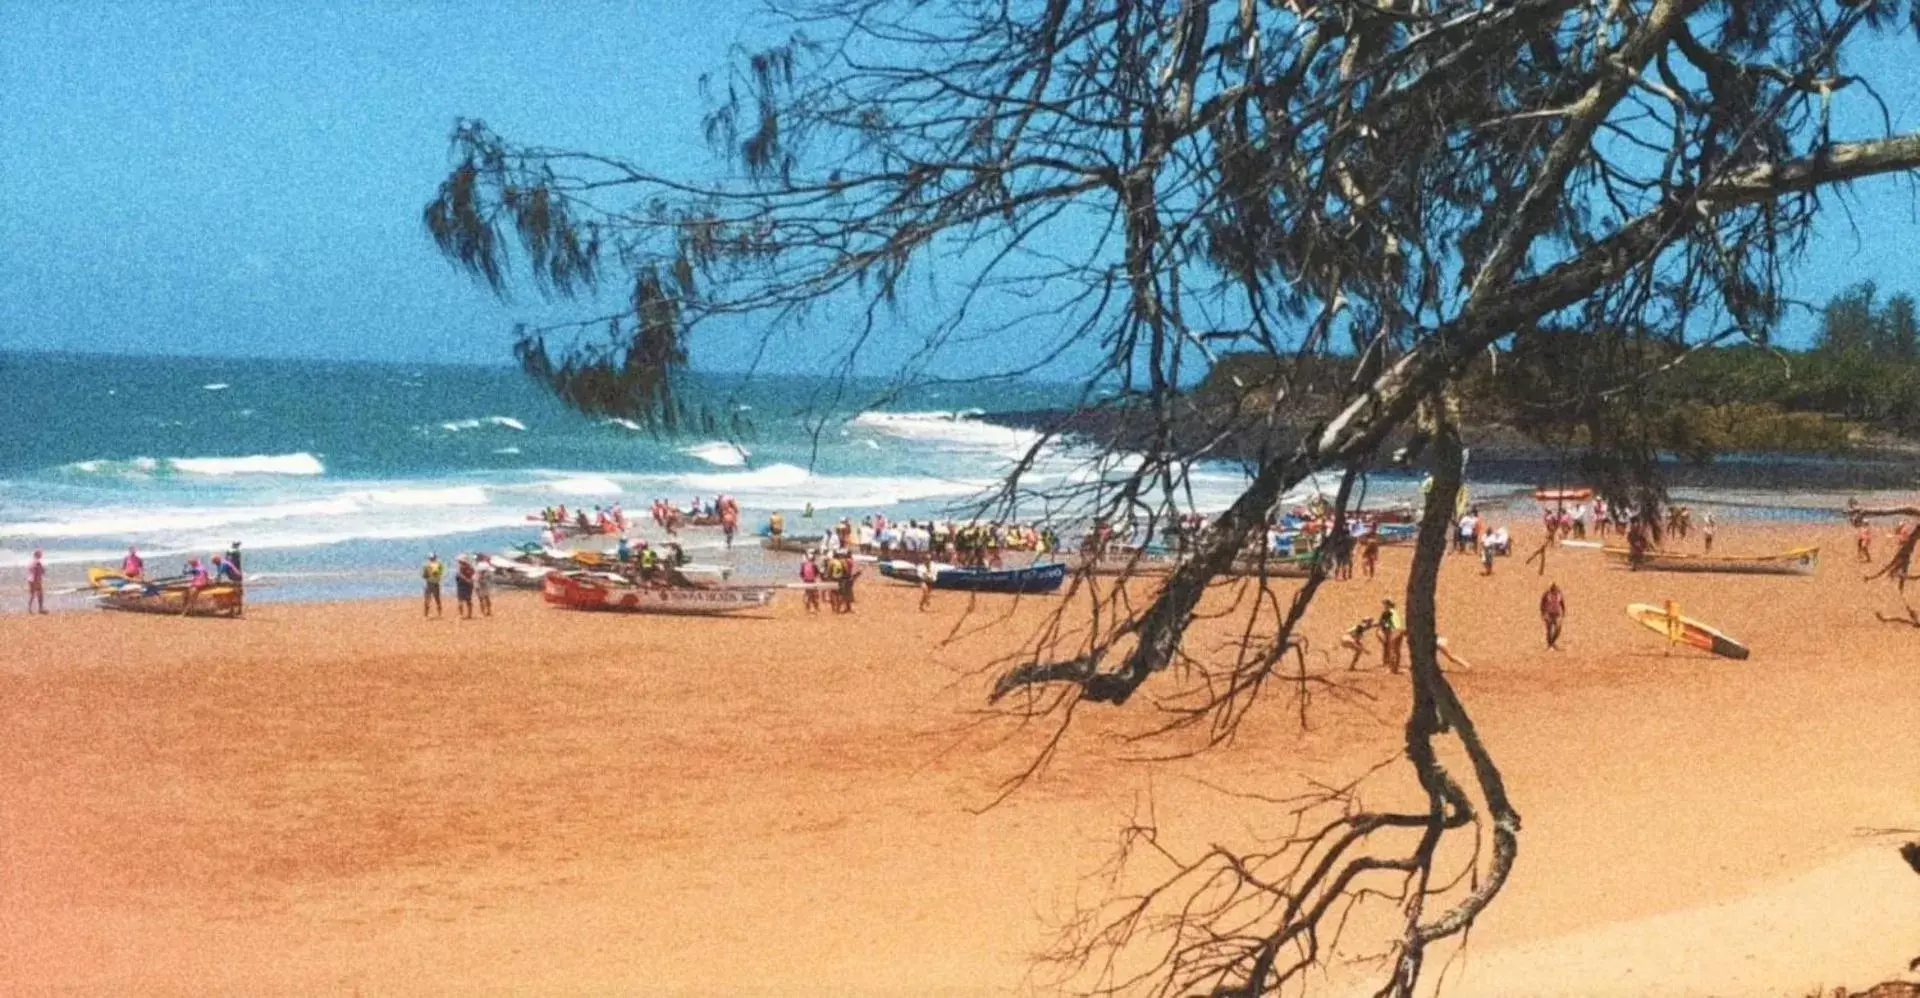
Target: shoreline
x=326 y=573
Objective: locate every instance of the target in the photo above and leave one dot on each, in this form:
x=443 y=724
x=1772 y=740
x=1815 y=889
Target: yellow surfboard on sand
x=1667 y=622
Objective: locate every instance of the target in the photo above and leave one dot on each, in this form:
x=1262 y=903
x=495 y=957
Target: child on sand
x=1355 y=640
x=925 y=572
x=37 y=582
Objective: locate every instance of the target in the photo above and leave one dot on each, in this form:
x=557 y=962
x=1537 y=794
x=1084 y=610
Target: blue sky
x=246 y=179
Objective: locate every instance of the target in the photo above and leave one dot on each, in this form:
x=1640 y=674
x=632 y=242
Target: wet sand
x=346 y=799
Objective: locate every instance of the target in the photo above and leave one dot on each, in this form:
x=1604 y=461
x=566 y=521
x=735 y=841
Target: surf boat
x=1032 y=579
x=1544 y=494
x=1799 y=561
x=113 y=591
x=1275 y=566
x=604 y=591
x=1118 y=560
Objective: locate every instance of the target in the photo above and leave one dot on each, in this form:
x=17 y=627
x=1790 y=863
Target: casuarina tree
x=1157 y=183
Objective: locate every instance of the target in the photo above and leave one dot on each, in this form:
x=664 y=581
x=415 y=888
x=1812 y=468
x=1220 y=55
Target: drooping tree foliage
x=1418 y=181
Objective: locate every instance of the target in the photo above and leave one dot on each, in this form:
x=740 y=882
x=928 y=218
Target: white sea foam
x=584 y=485
x=440 y=523
x=952 y=430
x=300 y=463
x=623 y=423
x=717 y=452
x=474 y=423
x=218 y=386
x=506 y=450
x=11 y=558
x=773 y=476
x=459 y=495
x=124 y=522
x=257 y=464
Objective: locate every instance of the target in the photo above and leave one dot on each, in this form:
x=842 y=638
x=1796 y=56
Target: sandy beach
x=346 y=799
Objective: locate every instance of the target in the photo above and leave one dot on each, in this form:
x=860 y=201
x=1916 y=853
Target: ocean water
x=338 y=478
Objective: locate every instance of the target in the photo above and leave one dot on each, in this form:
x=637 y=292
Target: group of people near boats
x=966 y=545
x=835 y=572
x=722 y=512
x=604 y=520
x=472 y=584
x=133 y=587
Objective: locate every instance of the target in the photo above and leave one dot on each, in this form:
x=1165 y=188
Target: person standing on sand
x=810 y=577
x=483 y=583
x=1370 y=552
x=1486 y=557
x=1863 y=544
x=1392 y=636
x=835 y=569
x=431 y=573
x=926 y=573
x=1706 y=531
x=847 y=574
x=1636 y=544
x=463 y=586
x=1553 y=612
x=37 y=581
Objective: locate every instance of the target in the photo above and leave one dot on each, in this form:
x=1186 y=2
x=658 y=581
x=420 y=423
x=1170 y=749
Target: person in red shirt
x=810 y=576
x=1553 y=611
x=197 y=580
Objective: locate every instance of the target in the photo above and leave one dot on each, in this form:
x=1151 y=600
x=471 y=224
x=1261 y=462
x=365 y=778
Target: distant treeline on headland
x=1852 y=397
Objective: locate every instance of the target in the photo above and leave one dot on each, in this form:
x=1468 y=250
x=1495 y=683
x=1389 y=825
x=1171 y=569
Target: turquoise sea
x=339 y=477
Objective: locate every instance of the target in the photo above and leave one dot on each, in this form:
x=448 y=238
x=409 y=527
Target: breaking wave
x=301 y=463
x=963 y=430
x=504 y=422
x=718 y=452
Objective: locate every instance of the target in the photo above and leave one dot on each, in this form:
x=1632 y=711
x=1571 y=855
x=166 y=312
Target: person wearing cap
x=432 y=573
x=37 y=581
x=463 y=586
x=229 y=571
